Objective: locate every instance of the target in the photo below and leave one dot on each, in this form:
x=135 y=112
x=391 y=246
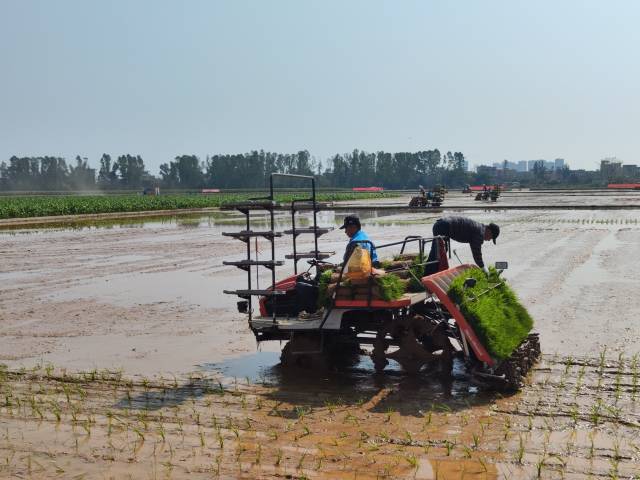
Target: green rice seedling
x=591 y=445
x=301 y=462
x=390 y=286
x=57 y=412
x=507 y=428
x=427 y=419
x=467 y=451
x=301 y=411
x=596 y=413
x=634 y=377
x=408 y=436
x=613 y=472
x=520 y=451
x=497 y=316
x=539 y=466
x=476 y=441
x=279 y=455
x=412 y=460
x=616 y=449
x=580 y=378
x=568 y=364
x=602 y=357
x=449 y=446
x=140 y=434
x=574 y=414
x=465 y=420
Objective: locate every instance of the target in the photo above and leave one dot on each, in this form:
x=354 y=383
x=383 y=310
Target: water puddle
x=358 y=377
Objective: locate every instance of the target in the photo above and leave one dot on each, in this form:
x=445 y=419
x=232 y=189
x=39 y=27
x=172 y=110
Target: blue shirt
x=359 y=236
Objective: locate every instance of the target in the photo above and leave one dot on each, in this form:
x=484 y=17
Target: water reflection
x=213 y=219
x=355 y=383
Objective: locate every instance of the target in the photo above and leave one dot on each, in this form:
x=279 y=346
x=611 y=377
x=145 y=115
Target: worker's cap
x=495 y=231
x=350 y=220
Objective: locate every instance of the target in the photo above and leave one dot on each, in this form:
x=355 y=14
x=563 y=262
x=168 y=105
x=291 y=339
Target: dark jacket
x=463 y=230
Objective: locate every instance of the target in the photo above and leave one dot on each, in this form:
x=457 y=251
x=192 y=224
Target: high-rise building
x=610 y=168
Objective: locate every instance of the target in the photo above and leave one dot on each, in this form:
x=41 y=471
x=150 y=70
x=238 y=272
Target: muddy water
x=147 y=295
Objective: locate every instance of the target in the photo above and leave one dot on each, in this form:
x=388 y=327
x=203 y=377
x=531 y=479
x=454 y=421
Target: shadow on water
x=350 y=383
x=356 y=383
x=171 y=396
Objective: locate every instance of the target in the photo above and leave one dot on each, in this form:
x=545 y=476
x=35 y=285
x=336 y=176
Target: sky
x=496 y=80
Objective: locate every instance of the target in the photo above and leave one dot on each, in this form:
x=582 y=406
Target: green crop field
x=44 y=206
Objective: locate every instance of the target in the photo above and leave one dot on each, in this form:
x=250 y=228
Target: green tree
x=81 y=177
x=107 y=177
x=131 y=170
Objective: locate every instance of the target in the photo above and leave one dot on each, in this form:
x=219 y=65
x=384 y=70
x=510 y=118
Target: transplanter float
x=424 y=329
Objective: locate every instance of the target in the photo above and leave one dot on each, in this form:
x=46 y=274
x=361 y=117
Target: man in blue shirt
x=352 y=229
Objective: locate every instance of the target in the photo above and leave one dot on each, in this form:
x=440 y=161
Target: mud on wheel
x=311 y=352
x=418 y=339
x=305 y=351
x=516 y=368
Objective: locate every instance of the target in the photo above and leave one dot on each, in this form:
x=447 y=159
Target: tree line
x=244 y=170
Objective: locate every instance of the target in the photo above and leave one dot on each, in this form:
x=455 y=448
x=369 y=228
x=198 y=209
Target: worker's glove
x=486 y=271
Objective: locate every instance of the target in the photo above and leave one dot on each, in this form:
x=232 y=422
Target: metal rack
x=269 y=204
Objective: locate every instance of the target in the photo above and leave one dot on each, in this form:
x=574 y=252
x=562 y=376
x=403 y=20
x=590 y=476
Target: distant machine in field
x=489 y=193
x=431 y=198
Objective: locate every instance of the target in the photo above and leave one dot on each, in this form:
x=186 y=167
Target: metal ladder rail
x=245 y=264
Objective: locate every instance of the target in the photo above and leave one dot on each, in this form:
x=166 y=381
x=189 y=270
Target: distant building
x=558 y=163
x=610 y=168
x=486 y=170
x=630 y=171
x=465 y=165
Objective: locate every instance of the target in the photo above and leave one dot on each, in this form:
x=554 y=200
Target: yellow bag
x=359 y=263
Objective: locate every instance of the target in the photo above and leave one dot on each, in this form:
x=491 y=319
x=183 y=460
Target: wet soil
x=144 y=297
x=147 y=296
x=577 y=418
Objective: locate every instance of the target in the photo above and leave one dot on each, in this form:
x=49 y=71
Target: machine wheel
x=419 y=338
x=304 y=351
x=380 y=345
x=416 y=202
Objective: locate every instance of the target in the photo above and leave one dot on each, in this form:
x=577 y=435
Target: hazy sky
x=493 y=79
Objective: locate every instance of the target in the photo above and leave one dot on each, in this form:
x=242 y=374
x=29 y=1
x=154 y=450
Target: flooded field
x=578 y=418
x=174 y=383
